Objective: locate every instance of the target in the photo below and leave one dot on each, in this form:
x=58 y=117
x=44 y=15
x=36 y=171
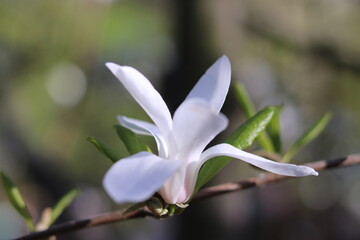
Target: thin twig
x=118 y=216
x=70 y=226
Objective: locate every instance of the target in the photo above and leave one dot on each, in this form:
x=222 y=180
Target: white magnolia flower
x=181 y=140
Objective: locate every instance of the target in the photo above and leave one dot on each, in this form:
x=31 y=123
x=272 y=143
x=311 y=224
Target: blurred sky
x=55 y=92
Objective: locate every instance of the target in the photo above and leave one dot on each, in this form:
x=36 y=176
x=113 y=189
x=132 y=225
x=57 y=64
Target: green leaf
x=63 y=203
x=249 y=110
x=265 y=142
x=131 y=141
x=273 y=129
x=104 y=149
x=242 y=138
x=243 y=99
x=17 y=200
x=307 y=137
x=156 y=207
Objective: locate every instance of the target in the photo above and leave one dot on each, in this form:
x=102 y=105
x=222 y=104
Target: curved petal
x=145 y=94
x=173 y=188
x=146 y=128
x=189 y=177
x=195 y=125
x=213 y=86
x=268 y=165
x=138 y=177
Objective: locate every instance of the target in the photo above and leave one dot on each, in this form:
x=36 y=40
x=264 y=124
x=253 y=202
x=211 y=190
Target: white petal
x=213 y=86
x=174 y=186
x=146 y=128
x=145 y=94
x=138 y=126
x=195 y=125
x=138 y=177
x=268 y=165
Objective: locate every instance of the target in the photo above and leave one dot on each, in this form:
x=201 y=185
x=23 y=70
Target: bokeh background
x=55 y=92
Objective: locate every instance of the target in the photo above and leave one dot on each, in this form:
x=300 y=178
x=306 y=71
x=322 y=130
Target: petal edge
x=138 y=177
x=213 y=86
x=268 y=165
x=145 y=94
x=146 y=128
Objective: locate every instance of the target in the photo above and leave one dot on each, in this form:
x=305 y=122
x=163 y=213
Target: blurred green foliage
x=302 y=54
x=17 y=200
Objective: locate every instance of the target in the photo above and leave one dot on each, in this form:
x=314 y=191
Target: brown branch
x=119 y=216
x=70 y=226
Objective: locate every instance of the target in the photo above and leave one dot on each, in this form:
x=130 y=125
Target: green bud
x=156 y=206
